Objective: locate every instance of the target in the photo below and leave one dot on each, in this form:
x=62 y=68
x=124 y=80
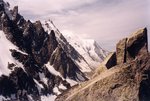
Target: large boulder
x=129 y=48
x=137 y=44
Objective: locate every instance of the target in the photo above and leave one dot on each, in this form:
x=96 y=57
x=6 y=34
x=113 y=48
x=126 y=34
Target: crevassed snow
x=48 y=98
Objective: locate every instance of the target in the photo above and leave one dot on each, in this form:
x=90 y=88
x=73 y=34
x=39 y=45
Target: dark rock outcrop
x=110 y=60
x=18 y=83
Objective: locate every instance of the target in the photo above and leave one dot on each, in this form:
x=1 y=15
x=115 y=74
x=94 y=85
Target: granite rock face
x=132 y=47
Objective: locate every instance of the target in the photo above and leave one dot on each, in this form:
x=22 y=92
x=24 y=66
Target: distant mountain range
x=38 y=62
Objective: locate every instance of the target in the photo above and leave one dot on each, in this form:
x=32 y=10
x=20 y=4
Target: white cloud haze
x=106 y=21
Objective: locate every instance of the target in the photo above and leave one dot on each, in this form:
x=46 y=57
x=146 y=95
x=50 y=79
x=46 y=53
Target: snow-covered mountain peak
x=68 y=48
x=90 y=54
x=88 y=48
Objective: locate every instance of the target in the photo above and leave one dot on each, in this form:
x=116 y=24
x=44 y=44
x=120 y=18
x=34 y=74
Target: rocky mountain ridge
x=35 y=63
x=126 y=77
x=88 y=53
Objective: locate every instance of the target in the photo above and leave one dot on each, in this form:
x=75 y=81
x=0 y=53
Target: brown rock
x=129 y=48
x=121 y=51
x=137 y=44
x=124 y=82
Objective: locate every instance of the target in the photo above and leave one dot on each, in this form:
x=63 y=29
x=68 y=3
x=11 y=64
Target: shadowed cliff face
x=127 y=80
x=144 y=90
x=41 y=63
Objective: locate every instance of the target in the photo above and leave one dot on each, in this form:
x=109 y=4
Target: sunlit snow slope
x=88 y=48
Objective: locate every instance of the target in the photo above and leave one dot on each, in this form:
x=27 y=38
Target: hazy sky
x=106 y=21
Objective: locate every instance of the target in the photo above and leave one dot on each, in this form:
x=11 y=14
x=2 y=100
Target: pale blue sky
x=106 y=21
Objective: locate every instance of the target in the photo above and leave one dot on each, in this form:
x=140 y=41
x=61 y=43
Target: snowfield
x=5 y=55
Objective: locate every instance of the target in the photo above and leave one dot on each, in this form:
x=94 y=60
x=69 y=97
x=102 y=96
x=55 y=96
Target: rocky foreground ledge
x=127 y=77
